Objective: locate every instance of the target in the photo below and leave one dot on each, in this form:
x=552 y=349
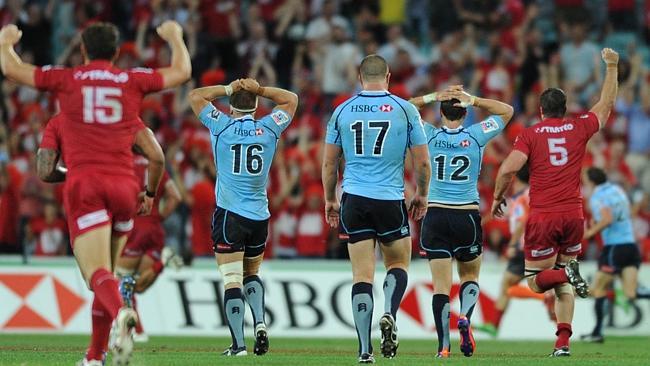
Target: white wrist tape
x=228 y=90
x=430 y=98
x=472 y=99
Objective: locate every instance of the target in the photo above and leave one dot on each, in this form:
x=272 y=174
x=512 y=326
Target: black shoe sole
x=261 y=343
x=583 y=291
x=466 y=346
x=388 y=346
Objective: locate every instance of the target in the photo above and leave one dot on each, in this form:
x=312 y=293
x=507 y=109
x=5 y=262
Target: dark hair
x=553 y=103
x=100 y=41
x=373 y=67
x=450 y=111
x=243 y=99
x=596 y=175
x=523 y=174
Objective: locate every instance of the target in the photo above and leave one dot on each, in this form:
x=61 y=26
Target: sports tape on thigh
x=232 y=272
x=564 y=288
x=121 y=272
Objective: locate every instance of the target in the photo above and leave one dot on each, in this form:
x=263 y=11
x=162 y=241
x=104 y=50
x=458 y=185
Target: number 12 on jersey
x=358 y=129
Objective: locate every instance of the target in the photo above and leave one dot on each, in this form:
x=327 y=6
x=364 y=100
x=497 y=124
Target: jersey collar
x=602 y=186
x=374 y=93
x=100 y=63
x=452 y=131
x=244 y=117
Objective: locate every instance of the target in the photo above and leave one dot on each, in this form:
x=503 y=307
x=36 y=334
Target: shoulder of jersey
x=143 y=70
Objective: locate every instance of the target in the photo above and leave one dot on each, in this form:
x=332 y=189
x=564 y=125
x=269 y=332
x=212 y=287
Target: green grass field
x=66 y=350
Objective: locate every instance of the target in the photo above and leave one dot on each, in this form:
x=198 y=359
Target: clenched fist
x=170 y=30
x=609 y=56
x=10 y=34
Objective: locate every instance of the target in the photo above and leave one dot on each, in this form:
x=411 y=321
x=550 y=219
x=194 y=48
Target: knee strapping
x=564 y=288
x=121 y=272
x=232 y=272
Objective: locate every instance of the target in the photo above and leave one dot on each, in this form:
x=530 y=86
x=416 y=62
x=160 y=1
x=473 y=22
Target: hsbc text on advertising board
x=301 y=301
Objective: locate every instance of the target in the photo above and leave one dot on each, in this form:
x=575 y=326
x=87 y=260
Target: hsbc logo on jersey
x=465 y=143
x=554 y=129
x=365 y=108
x=248 y=132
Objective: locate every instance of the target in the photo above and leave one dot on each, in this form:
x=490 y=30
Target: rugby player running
x=554 y=150
x=98 y=124
x=620 y=256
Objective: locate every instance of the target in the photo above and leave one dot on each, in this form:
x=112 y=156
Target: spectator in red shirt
x=49 y=232
x=312 y=230
x=10 y=182
x=202 y=202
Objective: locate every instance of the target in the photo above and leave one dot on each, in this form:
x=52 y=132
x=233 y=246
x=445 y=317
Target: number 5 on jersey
x=557 y=152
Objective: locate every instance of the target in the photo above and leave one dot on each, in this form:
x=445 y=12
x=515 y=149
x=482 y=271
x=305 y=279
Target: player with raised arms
x=452 y=226
x=244 y=148
x=373 y=131
x=554 y=149
x=620 y=256
x=98 y=124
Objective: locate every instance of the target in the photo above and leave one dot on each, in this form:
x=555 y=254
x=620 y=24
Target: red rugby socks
x=563 y=334
x=105 y=286
x=549 y=278
x=101 y=330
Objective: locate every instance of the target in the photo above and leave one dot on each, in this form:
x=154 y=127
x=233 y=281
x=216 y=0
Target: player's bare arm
x=284 y=99
x=605 y=220
x=492 y=106
x=513 y=163
x=151 y=149
x=171 y=199
x=12 y=66
x=422 y=168
x=200 y=97
x=180 y=69
x=331 y=159
x=47 y=168
x=610 y=87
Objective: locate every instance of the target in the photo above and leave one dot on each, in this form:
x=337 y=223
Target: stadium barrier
x=303 y=299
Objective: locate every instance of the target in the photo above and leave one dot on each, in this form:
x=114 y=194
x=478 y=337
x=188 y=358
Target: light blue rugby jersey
x=613 y=197
x=374 y=129
x=456 y=156
x=243 y=151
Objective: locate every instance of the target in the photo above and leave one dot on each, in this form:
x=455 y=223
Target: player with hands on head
x=554 y=150
x=244 y=148
x=452 y=225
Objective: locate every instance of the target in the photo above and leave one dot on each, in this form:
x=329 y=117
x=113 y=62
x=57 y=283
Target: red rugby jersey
x=100 y=107
x=555 y=148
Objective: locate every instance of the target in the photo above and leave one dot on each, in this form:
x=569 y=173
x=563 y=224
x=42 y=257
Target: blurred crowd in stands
x=509 y=50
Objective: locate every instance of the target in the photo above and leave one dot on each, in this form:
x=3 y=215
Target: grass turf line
x=48 y=350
